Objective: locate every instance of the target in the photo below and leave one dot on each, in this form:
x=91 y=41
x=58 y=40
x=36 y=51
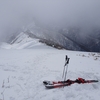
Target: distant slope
x=89 y=41
x=23 y=41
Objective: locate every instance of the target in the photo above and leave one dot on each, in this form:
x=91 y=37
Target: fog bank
x=16 y=14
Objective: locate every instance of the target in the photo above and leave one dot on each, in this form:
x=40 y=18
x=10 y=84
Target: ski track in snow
x=23 y=71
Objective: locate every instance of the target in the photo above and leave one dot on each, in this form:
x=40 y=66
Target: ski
x=57 y=84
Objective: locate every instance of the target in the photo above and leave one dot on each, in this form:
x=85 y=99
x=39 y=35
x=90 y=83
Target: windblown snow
x=28 y=63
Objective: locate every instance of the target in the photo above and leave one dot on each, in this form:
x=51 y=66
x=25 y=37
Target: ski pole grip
x=68 y=61
x=66 y=58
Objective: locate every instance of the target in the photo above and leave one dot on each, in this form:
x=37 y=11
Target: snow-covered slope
x=23 y=41
x=23 y=71
x=4 y=45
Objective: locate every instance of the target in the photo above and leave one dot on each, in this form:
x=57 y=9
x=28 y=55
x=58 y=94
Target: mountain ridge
x=68 y=38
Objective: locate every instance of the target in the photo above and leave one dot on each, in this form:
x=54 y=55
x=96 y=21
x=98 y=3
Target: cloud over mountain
x=14 y=15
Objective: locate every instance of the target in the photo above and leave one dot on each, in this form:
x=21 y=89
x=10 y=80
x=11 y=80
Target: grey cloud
x=16 y=13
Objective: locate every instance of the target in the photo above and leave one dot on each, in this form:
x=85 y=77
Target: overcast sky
x=17 y=13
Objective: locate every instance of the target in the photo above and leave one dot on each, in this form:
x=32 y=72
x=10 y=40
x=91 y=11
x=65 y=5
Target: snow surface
x=27 y=64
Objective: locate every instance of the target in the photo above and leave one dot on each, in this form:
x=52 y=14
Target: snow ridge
x=23 y=41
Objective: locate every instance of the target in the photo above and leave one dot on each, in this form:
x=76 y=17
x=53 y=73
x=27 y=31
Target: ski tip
x=45 y=82
x=97 y=81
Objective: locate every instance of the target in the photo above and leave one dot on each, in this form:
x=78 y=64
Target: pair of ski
x=58 y=84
